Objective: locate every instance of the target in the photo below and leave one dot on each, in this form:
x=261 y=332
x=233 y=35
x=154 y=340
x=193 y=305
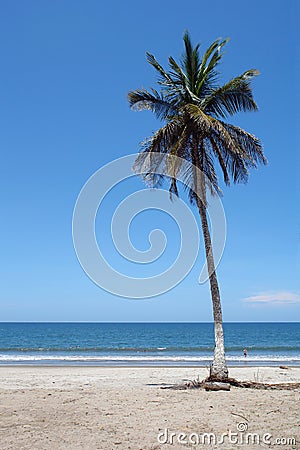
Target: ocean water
x=177 y=344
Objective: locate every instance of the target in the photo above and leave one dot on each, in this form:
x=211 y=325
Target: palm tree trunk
x=218 y=369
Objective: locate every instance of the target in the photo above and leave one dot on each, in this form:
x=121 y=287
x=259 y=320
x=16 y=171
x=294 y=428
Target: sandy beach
x=124 y=408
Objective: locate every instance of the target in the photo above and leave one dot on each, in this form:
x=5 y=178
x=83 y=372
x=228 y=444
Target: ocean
x=146 y=344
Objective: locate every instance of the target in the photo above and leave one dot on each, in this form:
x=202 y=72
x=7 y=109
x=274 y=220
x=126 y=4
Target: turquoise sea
x=146 y=343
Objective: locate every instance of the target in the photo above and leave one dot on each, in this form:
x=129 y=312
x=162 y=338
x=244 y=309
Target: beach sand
x=124 y=408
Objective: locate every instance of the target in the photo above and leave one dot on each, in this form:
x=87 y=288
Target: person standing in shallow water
x=245 y=352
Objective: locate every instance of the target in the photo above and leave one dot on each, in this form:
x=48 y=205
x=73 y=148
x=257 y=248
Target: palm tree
x=192 y=105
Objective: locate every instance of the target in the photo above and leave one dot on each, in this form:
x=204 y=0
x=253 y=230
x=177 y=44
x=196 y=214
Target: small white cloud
x=276 y=298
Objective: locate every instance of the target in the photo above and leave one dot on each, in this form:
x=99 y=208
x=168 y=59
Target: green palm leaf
x=234 y=96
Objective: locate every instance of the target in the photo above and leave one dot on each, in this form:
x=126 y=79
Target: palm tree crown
x=193 y=104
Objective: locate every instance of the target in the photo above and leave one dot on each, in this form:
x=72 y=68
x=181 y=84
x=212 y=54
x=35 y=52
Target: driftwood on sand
x=215 y=385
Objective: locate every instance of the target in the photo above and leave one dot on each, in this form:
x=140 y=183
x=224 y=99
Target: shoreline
x=144 y=366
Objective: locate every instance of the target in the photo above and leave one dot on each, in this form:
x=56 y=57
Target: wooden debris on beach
x=214 y=385
x=257 y=385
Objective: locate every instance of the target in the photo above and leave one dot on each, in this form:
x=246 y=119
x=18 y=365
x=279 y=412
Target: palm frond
x=183 y=81
x=222 y=161
x=149 y=164
x=211 y=178
x=191 y=61
x=250 y=143
x=233 y=163
x=207 y=71
x=206 y=126
x=173 y=190
x=220 y=133
x=141 y=99
x=201 y=120
x=154 y=63
x=232 y=97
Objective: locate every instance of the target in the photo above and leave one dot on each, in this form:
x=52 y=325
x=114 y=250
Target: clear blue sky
x=66 y=68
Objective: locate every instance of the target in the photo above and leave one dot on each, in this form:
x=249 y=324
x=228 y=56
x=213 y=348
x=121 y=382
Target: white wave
x=124 y=358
